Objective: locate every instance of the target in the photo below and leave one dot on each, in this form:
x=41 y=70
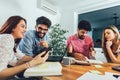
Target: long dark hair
x=9 y=25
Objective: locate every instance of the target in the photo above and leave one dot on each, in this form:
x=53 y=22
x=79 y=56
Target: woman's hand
x=108 y=44
x=38 y=59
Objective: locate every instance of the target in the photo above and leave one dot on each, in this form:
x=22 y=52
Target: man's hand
x=70 y=49
x=44 y=44
x=79 y=56
x=92 y=53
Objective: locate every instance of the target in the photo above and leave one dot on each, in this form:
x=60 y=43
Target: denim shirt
x=30 y=43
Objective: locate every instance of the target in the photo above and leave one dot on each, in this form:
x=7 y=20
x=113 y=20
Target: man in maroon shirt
x=80 y=45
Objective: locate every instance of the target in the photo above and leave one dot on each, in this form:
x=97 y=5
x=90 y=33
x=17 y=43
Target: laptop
x=56 y=58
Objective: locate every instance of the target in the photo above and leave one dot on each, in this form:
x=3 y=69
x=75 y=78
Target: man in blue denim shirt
x=35 y=40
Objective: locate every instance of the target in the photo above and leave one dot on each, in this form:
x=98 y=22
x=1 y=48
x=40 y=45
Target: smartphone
x=117 y=68
x=46 y=50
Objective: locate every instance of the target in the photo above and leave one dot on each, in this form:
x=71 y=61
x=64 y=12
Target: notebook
x=88 y=62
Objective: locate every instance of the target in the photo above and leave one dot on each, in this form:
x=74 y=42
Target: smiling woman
x=13 y=29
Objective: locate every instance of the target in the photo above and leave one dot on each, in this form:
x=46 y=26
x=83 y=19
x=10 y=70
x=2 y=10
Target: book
x=87 y=62
x=46 y=69
x=94 y=61
x=82 y=62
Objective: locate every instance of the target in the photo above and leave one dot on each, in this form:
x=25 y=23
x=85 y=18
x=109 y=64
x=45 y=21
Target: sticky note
x=98 y=66
x=95 y=72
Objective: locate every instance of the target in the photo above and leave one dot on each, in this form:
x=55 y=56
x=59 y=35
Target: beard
x=81 y=37
x=40 y=34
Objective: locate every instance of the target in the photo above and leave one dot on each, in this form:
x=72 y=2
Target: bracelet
x=28 y=65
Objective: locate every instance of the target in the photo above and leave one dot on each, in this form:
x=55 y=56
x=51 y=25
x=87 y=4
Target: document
x=92 y=76
x=112 y=76
x=46 y=69
x=94 y=61
x=88 y=61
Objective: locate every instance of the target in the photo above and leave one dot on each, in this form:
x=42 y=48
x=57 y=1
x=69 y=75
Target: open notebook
x=46 y=69
x=87 y=62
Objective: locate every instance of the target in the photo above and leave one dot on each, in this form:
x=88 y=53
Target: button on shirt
x=81 y=46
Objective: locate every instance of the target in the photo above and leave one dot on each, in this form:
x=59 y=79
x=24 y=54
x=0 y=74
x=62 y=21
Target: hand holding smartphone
x=46 y=50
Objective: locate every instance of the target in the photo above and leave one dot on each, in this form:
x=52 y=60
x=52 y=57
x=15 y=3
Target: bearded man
x=35 y=41
x=80 y=45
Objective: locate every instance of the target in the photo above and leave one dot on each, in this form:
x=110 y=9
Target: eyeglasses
x=39 y=28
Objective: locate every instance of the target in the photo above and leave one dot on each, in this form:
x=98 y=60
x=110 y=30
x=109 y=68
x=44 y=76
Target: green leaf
x=57 y=40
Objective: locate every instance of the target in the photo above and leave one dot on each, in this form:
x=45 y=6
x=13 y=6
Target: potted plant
x=57 y=42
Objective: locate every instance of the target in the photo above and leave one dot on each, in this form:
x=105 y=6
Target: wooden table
x=72 y=72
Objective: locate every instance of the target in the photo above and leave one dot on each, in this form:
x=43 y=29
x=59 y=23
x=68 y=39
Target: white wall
x=25 y=8
x=67 y=19
x=7 y=9
x=69 y=15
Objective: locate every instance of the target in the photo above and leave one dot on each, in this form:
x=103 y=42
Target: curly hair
x=83 y=24
x=43 y=20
